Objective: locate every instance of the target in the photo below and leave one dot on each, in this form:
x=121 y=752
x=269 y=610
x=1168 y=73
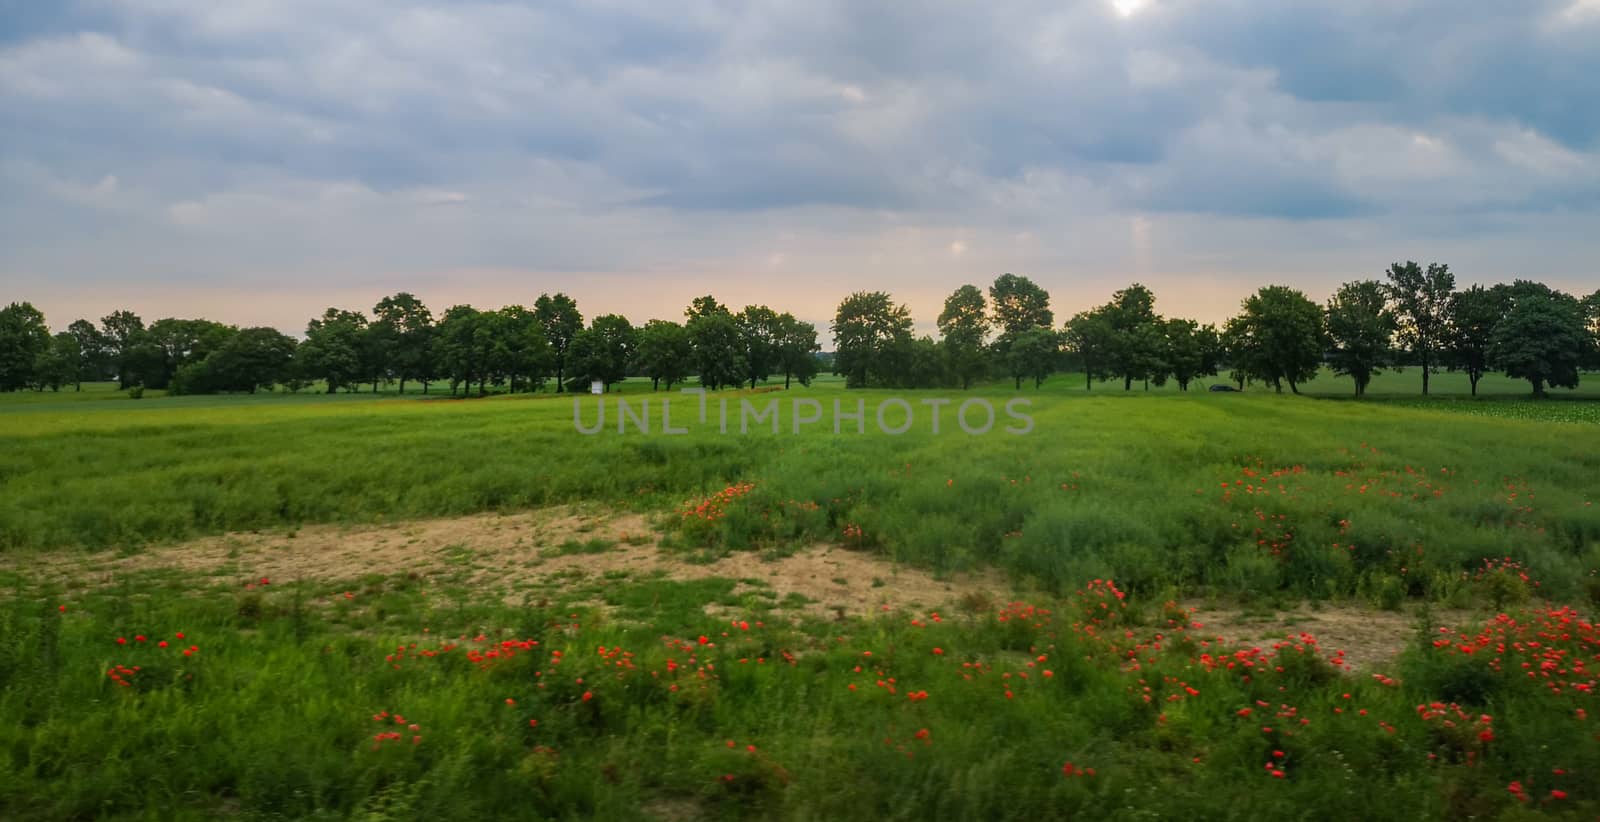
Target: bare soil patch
x=1370 y=638
x=512 y=551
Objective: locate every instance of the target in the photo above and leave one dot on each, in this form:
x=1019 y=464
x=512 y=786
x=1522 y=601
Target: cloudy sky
x=254 y=161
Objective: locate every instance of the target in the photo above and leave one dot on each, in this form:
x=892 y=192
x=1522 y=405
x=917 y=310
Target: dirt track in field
x=516 y=550
x=510 y=552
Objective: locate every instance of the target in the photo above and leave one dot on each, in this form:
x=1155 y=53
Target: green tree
x=1422 y=310
x=1033 y=354
x=1474 y=315
x=703 y=307
x=123 y=331
x=24 y=338
x=718 y=344
x=332 y=351
x=1591 y=306
x=665 y=353
x=252 y=359
x=1019 y=305
x=411 y=324
x=797 y=349
x=1278 y=338
x=59 y=363
x=522 y=352
x=171 y=343
x=604 y=350
x=758 y=328
x=93 y=351
x=1542 y=339
x=463 y=358
x=561 y=321
x=1138 y=336
x=1090 y=340
x=1190 y=350
x=1361 y=332
x=963 y=329
x=865 y=326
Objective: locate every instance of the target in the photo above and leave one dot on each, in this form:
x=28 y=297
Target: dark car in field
x=1221 y=387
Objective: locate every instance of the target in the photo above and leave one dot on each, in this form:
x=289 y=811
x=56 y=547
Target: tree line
x=401 y=342
x=1414 y=316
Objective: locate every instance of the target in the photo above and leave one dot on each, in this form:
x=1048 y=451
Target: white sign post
x=597 y=387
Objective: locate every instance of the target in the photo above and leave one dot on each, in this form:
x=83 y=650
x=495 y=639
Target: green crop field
x=1153 y=604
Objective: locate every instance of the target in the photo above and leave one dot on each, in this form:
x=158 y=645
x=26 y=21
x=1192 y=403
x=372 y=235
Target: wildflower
x=162 y=643
x=510 y=701
x=1558 y=794
x=588 y=695
x=63 y=609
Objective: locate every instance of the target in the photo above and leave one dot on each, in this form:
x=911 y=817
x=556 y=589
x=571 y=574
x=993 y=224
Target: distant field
x=1110 y=483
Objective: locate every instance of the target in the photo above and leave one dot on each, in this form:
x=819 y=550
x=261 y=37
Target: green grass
x=1392 y=503
x=1202 y=491
x=283 y=711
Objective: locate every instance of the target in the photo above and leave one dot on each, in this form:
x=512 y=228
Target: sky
x=255 y=161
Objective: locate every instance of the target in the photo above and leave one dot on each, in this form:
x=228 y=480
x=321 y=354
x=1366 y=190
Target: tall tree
x=332 y=351
x=1090 y=340
x=797 y=349
x=758 y=327
x=561 y=320
x=1190 y=350
x=123 y=331
x=523 y=352
x=702 y=307
x=252 y=359
x=604 y=350
x=1422 y=310
x=1019 y=305
x=59 y=364
x=93 y=351
x=24 y=338
x=1542 y=339
x=1361 y=331
x=1278 y=338
x=718 y=344
x=963 y=329
x=463 y=358
x=1033 y=354
x=864 y=327
x=411 y=323
x=1138 y=337
x=665 y=353
x=1591 y=306
x=1474 y=315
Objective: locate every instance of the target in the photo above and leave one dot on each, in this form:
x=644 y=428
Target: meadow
x=545 y=683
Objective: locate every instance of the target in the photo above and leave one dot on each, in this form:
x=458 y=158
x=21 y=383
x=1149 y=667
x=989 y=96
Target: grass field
x=657 y=655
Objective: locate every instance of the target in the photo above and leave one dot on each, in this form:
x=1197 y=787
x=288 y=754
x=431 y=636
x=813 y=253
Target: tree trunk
x=1127 y=383
x=1147 y=385
x=79 y=386
x=1474 y=378
x=560 y=381
x=1425 y=370
x=330 y=386
x=1088 y=380
x=1019 y=383
x=1538 y=386
x=402 y=385
x=785 y=381
x=1293 y=387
